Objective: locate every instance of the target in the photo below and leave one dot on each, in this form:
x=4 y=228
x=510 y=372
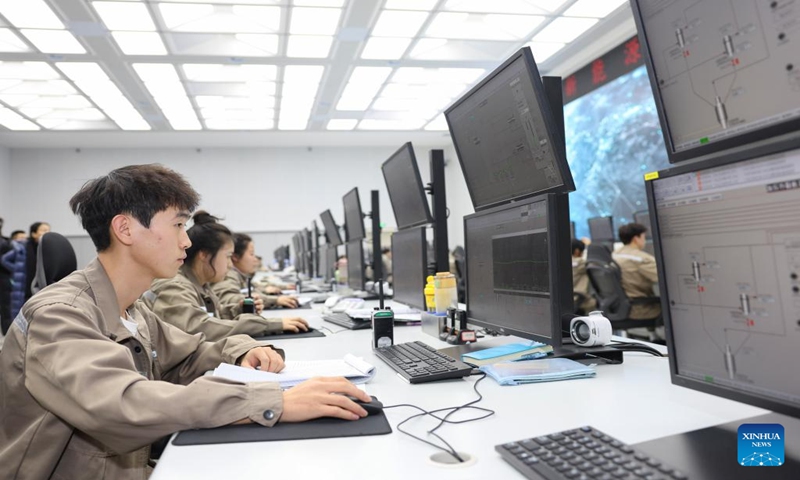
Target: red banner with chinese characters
x=612 y=65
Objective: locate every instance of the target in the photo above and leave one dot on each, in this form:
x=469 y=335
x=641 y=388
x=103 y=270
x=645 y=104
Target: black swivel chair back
x=598 y=253
x=55 y=259
x=606 y=280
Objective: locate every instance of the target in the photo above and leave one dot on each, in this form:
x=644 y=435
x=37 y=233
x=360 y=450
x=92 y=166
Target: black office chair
x=55 y=259
x=606 y=280
x=460 y=257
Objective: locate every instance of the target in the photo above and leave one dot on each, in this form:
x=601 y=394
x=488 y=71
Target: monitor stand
x=711 y=453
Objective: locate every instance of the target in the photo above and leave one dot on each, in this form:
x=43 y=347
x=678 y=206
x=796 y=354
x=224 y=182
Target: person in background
x=37 y=229
x=15 y=261
x=638 y=268
x=245 y=263
x=584 y=303
x=386 y=259
x=5 y=284
x=90 y=377
x=187 y=300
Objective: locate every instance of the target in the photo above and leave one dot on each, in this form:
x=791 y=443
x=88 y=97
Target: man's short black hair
x=627 y=232
x=578 y=245
x=15 y=233
x=138 y=190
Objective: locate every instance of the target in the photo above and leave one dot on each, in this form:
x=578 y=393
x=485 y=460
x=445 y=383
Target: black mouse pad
x=287 y=335
x=319 y=428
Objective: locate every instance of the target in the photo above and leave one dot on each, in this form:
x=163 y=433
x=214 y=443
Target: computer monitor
x=298 y=252
x=409 y=266
x=355 y=264
x=519 y=280
x=403 y=181
x=727 y=237
x=331 y=230
x=308 y=253
x=506 y=138
x=353 y=216
x=601 y=229
x=723 y=75
x=328 y=263
x=315 y=250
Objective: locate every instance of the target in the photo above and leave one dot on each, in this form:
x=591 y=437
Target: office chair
x=460 y=257
x=55 y=259
x=606 y=280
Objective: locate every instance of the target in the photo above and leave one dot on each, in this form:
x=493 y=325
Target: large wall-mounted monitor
x=724 y=74
x=353 y=216
x=404 y=183
x=506 y=138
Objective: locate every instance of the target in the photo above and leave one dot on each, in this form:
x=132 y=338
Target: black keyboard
x=583 y=454
x=344 y=320
x=418 y=362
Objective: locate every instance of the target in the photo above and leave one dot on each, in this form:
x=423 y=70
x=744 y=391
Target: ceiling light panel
x=363 y=85
x=27 y=71
x=163 y=83
x=341 y=124
x=517 y=7
x=543 y=51
x=318 y=3
x=393 y=23
x=478 y=26
x=385 y=48
x=564 y=30
x=206 y=18
x=314 y=21
x=196 y=72
x=247 y=89
x=129 y=16
x=218 y=101
x=309 y=46
x=139 y=43
x=41 y=87
x=375 y=124
x=67 y=102
x=303 y=74
x=11 y=43
x=232 y=124
x=299 y=90
x=449 y=50
x=223 y=44
x=29 y=14
x=63 y=124
x=593 y=8
x=437 y=124
x=53 y=41
x=14 y=121
x=420 y=75
x=410 y=4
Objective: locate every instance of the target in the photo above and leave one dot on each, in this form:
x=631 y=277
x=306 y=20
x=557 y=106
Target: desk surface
x=634 y=402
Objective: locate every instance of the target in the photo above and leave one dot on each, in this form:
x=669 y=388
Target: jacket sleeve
x=649 y=270
x=80 y=375
x=230 y=298
x=8 y=259
x=182 y=357
x=176 y=304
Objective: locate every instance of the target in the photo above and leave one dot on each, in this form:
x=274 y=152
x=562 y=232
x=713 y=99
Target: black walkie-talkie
x=249 y=305
x=382 y=322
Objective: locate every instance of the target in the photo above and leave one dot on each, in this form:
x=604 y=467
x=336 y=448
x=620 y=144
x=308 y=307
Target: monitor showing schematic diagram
x=724 y=74
x=729 y=261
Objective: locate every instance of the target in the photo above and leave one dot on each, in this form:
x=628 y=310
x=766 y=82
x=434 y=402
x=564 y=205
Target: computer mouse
x=375 y=407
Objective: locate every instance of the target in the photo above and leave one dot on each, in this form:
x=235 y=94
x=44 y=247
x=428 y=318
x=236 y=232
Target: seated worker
x=386 y=260
x=245 y=264
x=638 y=269
x=187 y=300
x=584 y=303
x=89 y=377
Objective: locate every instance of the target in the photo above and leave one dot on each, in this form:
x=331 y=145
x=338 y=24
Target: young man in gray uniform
x=89 y=377
x=639 y=273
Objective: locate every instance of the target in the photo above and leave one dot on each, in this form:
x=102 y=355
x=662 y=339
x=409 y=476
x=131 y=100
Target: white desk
x=634 y=402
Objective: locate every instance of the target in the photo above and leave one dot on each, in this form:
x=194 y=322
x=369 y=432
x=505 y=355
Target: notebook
x=351 y=367
x=507 y=353
x=535 y=371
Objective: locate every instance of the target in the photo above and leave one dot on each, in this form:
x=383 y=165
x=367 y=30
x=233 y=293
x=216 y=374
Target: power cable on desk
x=443 y=420
x=635 y=347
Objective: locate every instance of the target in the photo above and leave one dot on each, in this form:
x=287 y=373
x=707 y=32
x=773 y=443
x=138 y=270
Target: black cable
x=443 y=420
x=635 y=347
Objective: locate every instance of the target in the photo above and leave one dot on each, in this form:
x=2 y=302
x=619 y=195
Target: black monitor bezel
x=330 y=230
x=347 y=227
x=407 y=147
x=419 y=301
x=553 y=132
x=676 y=378
x=610 y=221
x=674 y=156
x=358 y=244
x=561 y=303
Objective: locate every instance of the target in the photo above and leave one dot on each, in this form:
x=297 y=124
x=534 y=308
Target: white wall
x=272 y=191
x=5 y=189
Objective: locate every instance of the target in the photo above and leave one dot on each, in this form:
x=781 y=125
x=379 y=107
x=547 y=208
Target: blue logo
x=761 y=445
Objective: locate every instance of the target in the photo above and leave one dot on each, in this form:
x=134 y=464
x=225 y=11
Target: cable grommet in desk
x=446 y=460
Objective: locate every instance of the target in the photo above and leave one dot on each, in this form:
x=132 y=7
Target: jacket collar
x=106 y=298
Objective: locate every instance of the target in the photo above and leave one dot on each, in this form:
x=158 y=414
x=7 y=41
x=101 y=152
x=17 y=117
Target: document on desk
x=535 y=371
x=351 y=367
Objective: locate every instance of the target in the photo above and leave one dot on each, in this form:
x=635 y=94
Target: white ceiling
x=202 y=73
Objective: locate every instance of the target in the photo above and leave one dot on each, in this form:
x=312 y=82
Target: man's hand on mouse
x=323 y=397
x=286 y=301
x=265 y=358
x=295 y=325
